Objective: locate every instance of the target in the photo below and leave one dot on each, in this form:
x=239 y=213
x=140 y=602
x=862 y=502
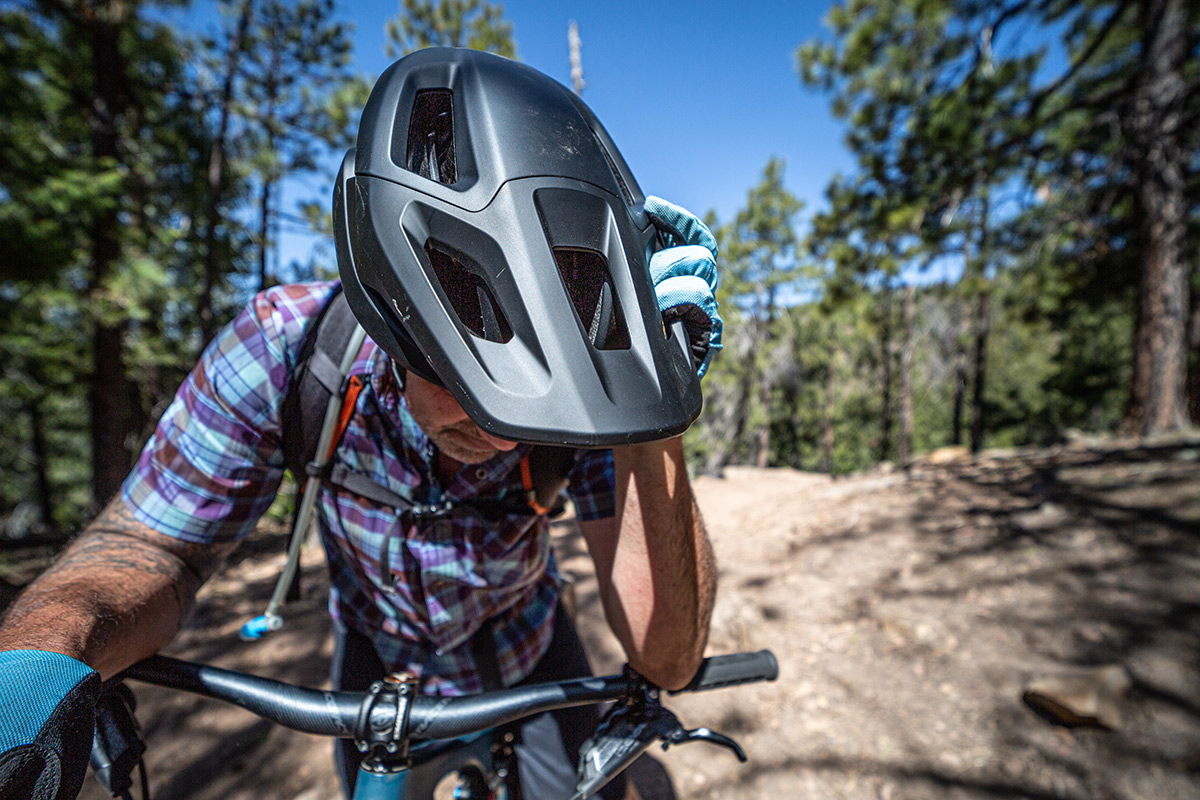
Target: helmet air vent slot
x=469 y=296
x=431 y=136
x=589 y=284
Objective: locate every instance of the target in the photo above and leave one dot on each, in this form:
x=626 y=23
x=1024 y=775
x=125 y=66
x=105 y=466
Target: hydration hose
x=270 y=620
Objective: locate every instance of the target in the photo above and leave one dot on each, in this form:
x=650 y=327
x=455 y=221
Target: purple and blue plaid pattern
x=418 y=590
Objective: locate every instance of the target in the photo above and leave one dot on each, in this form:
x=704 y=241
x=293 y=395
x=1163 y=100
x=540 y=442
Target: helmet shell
x=491 y=238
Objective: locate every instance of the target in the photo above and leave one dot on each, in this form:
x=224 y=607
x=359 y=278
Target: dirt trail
x=907 y=611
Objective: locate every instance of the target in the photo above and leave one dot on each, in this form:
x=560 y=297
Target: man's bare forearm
x=662 y=575
x=117 y=595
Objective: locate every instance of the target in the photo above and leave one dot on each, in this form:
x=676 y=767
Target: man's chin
x=464 y=448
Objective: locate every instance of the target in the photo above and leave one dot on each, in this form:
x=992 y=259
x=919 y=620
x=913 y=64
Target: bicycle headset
x=491 y=239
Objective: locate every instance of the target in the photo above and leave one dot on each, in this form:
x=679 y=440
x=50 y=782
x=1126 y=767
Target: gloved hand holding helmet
x=492 y=240
x=47 y=702
x=685 y=278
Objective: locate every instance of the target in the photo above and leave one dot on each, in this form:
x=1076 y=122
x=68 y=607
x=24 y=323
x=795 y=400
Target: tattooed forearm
x=117 y=594
x=117 y=539
x=118 y=553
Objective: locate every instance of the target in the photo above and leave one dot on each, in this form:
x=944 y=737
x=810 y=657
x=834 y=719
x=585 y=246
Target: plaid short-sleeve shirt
x=418 y=591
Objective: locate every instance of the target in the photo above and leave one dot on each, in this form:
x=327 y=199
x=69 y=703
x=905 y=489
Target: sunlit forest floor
x=908 y=610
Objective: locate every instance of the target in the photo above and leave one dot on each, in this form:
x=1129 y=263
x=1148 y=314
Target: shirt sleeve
x=592 y=485
x=214 y=462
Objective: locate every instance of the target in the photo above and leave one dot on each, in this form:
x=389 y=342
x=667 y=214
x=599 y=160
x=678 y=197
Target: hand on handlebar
x=628 y=730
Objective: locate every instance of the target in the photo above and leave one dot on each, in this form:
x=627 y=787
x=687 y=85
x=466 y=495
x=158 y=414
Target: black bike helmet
x=491 y=239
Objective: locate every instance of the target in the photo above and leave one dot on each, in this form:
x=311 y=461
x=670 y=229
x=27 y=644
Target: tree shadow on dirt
x=885 y=779
x=1087 y=558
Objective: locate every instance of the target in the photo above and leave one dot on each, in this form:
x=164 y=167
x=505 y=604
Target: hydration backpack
x=318 y=403
x=318 y=377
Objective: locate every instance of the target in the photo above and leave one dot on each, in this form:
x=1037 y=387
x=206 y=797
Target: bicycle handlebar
x=328 y=713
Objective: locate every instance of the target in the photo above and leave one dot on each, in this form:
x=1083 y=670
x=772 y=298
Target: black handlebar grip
x=730 y=670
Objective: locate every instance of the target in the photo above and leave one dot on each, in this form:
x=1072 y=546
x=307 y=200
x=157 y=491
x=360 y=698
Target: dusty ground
x=907 y=611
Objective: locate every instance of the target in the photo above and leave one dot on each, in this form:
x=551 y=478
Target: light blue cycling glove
x=47 y=716
x=685 y=278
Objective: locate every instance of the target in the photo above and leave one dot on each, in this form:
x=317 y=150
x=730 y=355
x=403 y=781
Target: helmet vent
x=431 y=136
x=469 y=296
x=589 y=284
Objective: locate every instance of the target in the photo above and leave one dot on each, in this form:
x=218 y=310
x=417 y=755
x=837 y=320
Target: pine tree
x=760 y=270
x=476 y=24
x=949 y=99
x=296 y=90
x=97 y=166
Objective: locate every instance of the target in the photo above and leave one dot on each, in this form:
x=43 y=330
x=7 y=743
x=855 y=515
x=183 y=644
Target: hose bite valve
x=259 y=627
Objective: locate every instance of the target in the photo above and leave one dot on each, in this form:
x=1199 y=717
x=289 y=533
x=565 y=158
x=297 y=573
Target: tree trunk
x=750 y=380
x=787 y=443
x=904 y=445
x=764 y=431
x=766 y=381
x=41 y=462
x=216 y=180
x=982 y=327
x=885 y=355
x=742 y=412
x=1158 y=396
x=827 y=440
x=269 y=169
x=982 y=321
x=108 y=389
x=960 y=373
x=1194 y=358
x=264 y=230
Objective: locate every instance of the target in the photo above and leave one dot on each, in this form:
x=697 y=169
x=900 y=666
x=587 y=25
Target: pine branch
x=1093 y=47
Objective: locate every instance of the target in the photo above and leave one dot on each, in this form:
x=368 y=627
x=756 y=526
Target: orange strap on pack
x=353 y=387
x=527 y=483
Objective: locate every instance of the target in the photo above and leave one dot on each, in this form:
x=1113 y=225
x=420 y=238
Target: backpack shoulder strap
x=314 y=380
x=544 y=474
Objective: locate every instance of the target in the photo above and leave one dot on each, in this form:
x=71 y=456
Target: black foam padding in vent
x=431 y=136
x=589 y=284
x=469 y=296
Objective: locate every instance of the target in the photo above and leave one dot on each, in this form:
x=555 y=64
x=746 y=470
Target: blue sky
x=698 y=96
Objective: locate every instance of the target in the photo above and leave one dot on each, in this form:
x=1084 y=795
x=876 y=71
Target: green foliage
x=61 y=280
x=760 y=270
x=298 y=98
x=95 y=192
x=971 y=147
x=475 y=24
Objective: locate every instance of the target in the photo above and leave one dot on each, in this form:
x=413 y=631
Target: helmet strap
x=398 y=374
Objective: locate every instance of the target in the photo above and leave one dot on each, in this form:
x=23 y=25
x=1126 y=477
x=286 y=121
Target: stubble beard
x=461 y=442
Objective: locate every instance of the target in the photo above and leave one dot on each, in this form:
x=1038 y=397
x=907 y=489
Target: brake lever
x=683 y=736
x=628 y=730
